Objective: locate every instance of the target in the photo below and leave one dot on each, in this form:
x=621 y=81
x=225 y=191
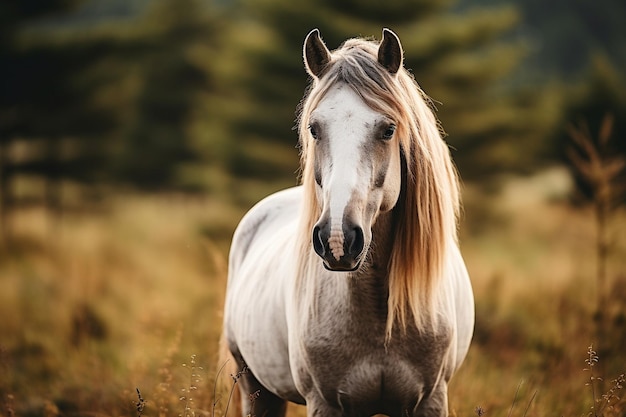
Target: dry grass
x=97 y=306
x=533 y=270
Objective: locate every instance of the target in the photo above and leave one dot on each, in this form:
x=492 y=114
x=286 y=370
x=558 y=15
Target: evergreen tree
x=173 y=81
x=601 y=95
x=42 y=107
x=103 y=104
x=135 y=85
x=568 y=33
x=460 y=60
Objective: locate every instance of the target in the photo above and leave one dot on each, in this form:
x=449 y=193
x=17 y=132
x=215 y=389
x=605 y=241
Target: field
x=96 y=306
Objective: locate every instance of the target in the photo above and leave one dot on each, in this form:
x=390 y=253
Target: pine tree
x=43 y=105
x=567 y=33
x=173 y=80
x=602 y=95
x=104 y=104
x=461 y=60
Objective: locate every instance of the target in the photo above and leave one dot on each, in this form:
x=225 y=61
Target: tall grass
x=119 y=313
x=110 y=303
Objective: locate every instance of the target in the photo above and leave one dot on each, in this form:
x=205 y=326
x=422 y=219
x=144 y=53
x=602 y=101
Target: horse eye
x=388 y=134
x=313 y=131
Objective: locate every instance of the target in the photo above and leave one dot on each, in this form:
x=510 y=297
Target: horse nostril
x=318 y=244
x=355 y=242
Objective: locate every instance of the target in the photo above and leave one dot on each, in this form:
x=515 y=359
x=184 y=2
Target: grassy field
x=96 y=306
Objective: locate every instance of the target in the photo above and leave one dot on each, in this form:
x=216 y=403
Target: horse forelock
x=429 y=203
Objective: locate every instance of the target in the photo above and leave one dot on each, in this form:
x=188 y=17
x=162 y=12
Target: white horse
x=349 y=293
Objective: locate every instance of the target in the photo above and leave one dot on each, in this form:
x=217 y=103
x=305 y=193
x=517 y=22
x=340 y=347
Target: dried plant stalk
x=600 y=169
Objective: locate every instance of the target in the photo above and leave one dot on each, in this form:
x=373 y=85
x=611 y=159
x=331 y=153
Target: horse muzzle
x=340 y=251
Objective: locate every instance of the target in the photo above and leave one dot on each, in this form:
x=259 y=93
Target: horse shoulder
x=276 y=208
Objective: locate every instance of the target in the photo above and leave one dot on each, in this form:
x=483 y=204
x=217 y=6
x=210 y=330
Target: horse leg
x=256 y=400
x=435 y=405
x=317 y=407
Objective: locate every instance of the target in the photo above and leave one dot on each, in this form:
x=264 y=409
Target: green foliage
x=461 y=61
x=587 y=27
x=14 y=13
x=601 y=94
x=47 y=114
x=158 y=140
x=190 y=95
x=104 y=104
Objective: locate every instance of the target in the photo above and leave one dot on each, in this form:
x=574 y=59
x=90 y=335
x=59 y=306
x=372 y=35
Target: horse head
x=355 y=150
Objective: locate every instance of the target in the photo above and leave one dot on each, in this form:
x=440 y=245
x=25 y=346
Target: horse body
x=259 y=289
x=331 y=333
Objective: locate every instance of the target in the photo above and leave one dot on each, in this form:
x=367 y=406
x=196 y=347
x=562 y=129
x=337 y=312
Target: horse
x=348 y=293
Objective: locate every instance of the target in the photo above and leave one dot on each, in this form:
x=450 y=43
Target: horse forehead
x=343 y=104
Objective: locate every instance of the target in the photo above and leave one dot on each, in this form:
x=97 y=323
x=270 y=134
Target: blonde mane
x=429 y=202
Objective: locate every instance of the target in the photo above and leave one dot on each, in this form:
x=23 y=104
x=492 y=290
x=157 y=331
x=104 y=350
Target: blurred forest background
x=135 y=133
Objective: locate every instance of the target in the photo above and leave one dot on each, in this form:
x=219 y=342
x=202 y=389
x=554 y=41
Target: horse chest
x=353 y=370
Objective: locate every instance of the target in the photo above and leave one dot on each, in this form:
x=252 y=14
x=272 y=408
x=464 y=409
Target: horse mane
x=428 y=206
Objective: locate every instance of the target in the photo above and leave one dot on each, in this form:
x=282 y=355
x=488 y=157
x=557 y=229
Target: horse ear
x=390 y=51
x=316 y=54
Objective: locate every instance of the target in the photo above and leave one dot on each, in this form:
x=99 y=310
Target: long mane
x=428 y=206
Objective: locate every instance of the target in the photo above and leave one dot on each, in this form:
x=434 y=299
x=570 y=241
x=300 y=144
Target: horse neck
x=370 y=284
